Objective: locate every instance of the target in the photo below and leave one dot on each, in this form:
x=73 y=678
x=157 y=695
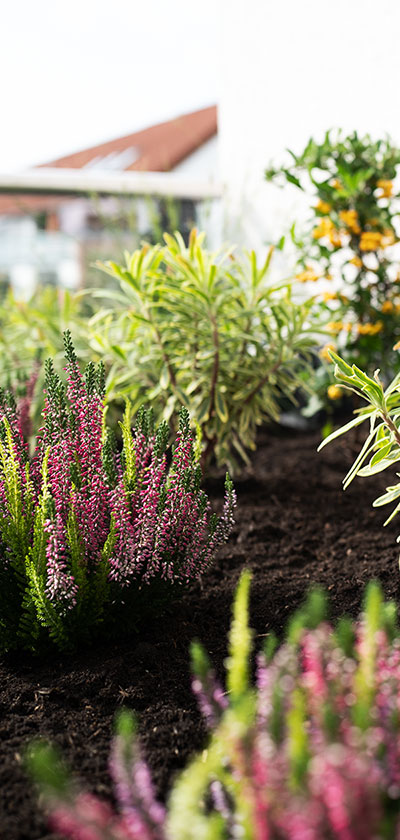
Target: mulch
x=294 y=528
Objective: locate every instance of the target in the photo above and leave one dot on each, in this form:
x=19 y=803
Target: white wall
x=291 y=69
x=203 y=163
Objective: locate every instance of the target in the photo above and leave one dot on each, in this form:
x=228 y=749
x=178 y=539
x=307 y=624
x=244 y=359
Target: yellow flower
x=356 y=261
x=370 y=240
x=323 y=207
x=334 y=327
x=387 y=306
x=350 y=219
x=344 y=299
x=329 y=277
x=388 y=238
x=324 y=228
x=348 y=327
x=386 y=187
x=370 y=329
x=336 y=184
x=397 y=346
x=334 y=392
x=335 y=239
x=324 y=352
x=329 y=296
x=307 y=276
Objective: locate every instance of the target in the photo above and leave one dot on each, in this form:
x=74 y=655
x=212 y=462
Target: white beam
x=60 y=181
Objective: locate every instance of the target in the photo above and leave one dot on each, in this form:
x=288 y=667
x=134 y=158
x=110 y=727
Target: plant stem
x=393 y=428
x=214 y=377
x=262 y=381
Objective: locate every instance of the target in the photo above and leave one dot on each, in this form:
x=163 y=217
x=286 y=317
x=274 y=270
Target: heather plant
x=84 y=527
x=349 y=241
x=207 y=330
x=311 y=753
x=381 y=449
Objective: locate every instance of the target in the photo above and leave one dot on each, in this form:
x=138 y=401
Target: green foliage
x=206 y=330
x=381 y=449
x=350 y=239
x=31 y=331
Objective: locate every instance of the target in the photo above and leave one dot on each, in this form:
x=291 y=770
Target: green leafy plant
x=312 y=752
x=349 y=240
x=381 y=449
x=209 y=331
x=84 y=527
x=30 y=331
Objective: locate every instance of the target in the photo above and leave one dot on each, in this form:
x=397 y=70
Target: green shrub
x=209 y=331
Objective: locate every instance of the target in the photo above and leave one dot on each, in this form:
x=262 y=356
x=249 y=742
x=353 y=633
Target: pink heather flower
x=151 y=523
x=143 y=815
x=87 y=818
x=60 y=585
x=210 y=697
x=346 y=782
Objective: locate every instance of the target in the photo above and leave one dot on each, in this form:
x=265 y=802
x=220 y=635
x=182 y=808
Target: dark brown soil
x=294 y=528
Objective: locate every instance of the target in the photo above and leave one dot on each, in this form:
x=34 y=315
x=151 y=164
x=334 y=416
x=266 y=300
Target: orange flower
x=386 y=188
x=370 y=329
x=323 y=207
x=387 y=306
x=307 y=276
x=350 y=219
x=388 y=238
x=356 y=261
x=324 y=228
x=324 y=352
x=335 y=239
x=370 y=240
x=334 y=392
x=334 y=327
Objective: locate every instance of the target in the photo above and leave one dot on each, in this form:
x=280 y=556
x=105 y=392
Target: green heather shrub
x=206 y=330
x=349 y=240
x=311 y=753
x=86 y=528
x=381 y=448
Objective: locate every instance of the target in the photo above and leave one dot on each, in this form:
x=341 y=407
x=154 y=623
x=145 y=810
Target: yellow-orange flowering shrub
x=352 y=236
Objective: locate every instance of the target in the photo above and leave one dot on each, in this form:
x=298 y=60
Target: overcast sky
x=76 y=72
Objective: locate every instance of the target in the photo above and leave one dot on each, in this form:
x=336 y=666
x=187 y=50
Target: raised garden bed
x=294 y=527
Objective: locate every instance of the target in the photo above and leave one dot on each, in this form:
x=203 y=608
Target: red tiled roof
x=159 y=149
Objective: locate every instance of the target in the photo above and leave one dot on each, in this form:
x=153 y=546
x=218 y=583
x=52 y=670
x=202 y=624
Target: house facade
x=54 y=239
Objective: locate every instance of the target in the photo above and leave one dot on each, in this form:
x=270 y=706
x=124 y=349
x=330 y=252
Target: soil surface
x=294 y=527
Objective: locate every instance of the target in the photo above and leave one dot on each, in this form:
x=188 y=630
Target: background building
x=50 y=239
